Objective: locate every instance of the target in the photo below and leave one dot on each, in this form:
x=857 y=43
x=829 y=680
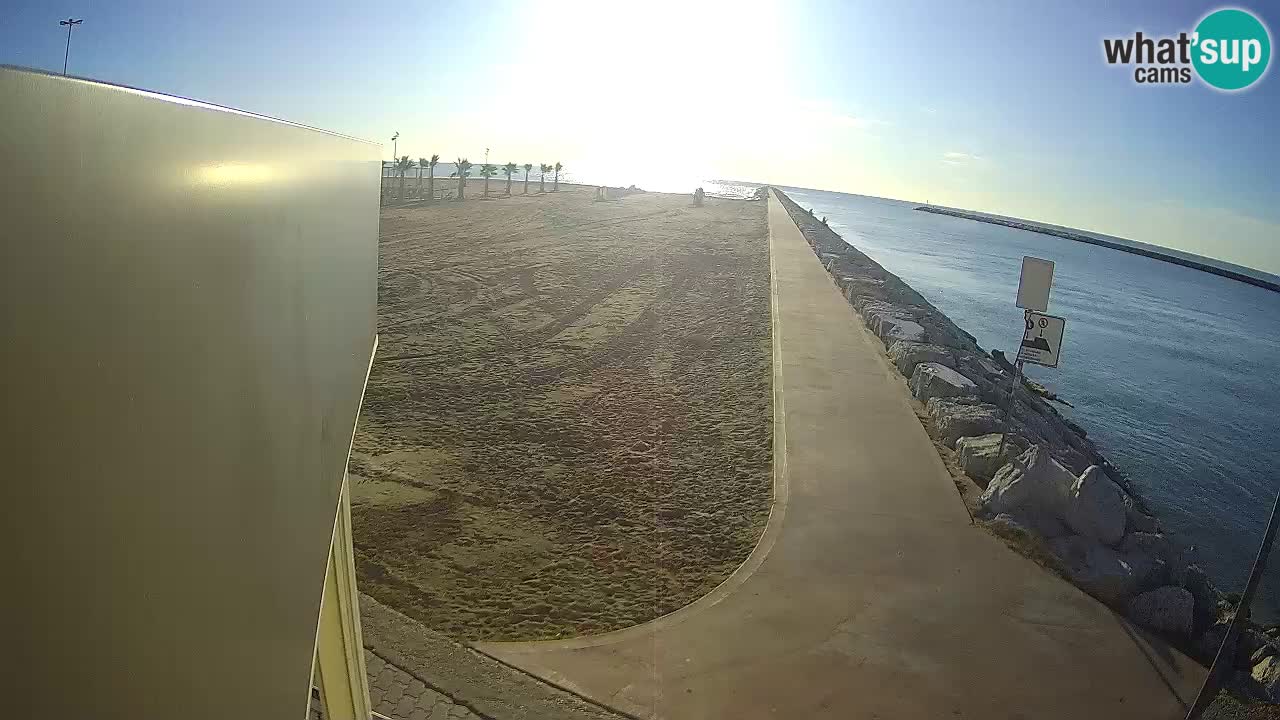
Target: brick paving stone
x=401 y=696
x=385 y=677
x=429 y=698
x=398 y=695
x=385 y=708
x=461 y=713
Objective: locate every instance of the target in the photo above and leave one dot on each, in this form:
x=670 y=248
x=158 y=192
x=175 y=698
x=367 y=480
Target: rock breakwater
x=1051 y=484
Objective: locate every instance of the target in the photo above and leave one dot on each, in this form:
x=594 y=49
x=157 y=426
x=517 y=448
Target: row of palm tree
x=487 y=170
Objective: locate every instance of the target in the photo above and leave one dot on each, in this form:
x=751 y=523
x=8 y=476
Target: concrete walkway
x=871 y=595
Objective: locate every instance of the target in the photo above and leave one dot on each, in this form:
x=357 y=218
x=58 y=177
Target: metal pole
x=70 y=23
x=1224 y=660
x=1013 y=389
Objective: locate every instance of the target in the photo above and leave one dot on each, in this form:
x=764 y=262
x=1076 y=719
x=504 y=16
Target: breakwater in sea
x=1052 y=486
x=1094 y=240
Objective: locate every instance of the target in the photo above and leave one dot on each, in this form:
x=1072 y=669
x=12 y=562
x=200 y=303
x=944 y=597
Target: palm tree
x=542 y=179
x=527 y=168
x=464 y=169
x=509 y=169
x=422 y=162
x=556 y=186
x=488 y=170
x=431 y=177
x=402 y=167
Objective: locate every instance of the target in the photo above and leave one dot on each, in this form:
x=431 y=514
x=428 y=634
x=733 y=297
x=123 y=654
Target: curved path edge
x=873 y=596
x=765 y=543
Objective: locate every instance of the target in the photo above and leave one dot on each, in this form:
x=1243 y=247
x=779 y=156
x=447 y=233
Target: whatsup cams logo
x=1228 y=50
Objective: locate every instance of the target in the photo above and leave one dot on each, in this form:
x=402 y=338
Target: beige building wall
x=189 y=299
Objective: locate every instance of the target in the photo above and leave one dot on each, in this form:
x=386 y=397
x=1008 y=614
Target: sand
x=567 y=429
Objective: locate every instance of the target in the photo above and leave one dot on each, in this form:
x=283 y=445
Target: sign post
x=1041 y=341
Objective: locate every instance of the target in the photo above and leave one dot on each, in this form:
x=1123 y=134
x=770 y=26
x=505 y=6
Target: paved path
x=871 y=594
x=396 y=694
x=417 y=674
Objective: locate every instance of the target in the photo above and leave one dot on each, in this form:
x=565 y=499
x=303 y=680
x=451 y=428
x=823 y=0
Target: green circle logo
x=1232 y=49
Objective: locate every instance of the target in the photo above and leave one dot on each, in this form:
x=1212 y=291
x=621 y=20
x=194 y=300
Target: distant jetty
x=1092 y=240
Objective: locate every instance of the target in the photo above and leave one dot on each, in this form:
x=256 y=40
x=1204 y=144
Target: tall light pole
x=394 y=146
x=70 y=23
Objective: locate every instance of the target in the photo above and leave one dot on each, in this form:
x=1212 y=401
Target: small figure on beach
x=698 y=195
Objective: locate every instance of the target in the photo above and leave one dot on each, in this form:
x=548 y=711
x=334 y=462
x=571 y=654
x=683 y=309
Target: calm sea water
x=1171 y=370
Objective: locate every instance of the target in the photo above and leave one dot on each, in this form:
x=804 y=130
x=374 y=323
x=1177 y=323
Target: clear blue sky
x=1005 y=107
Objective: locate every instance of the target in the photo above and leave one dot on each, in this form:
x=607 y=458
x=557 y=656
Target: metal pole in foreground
x=70 y=23
x=1223 y=661
x=1013 y=390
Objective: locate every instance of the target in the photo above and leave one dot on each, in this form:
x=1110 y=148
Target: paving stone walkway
x=401 y=696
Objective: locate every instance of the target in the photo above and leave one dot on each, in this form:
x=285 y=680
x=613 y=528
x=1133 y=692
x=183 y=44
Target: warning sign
x=1042 y=340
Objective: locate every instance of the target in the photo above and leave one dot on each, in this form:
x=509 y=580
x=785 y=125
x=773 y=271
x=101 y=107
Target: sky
x=1003 y=107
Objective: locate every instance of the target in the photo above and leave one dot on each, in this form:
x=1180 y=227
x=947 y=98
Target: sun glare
x=233 y=173
x=642 y=81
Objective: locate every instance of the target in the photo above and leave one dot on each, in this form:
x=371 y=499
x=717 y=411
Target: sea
x=1172 y=370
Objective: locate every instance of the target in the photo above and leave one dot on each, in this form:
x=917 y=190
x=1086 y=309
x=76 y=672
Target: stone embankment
x=1051 y=493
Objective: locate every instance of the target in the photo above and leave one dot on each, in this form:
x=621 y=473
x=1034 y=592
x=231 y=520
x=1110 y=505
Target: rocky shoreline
x=1052 y=494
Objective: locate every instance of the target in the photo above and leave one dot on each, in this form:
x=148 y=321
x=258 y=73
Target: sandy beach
x=567 y=428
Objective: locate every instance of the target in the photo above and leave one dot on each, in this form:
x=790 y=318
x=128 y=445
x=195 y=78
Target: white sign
x=1042 y=340
x=1034 y=284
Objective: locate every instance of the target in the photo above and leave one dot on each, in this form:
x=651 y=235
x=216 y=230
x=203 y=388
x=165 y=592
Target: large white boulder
x=907 y=355
x=1095 y=507
x=977 y=454
x=981 y=369
x=954 y=419
x=1033 y=483
x=894 y=329
x=1166 y=609
x=1097 y=569
x=853 y=286
x=1267 y=674
x=875 y=311
x=891 y=323
x=931 y=380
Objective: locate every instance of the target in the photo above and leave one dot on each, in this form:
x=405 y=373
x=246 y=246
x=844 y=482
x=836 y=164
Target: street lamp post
x=394 y=146
x=70 y=23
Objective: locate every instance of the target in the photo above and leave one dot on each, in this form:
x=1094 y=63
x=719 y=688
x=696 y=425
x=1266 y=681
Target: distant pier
x=1092 y=240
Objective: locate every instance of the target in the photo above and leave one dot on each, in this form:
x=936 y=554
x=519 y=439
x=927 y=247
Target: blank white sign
x=1034 y=284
